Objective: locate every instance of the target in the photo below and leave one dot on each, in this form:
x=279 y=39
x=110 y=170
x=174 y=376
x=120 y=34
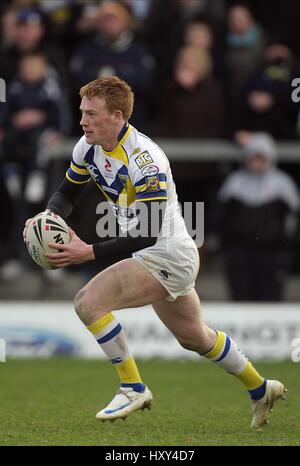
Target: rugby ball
x=45 y=227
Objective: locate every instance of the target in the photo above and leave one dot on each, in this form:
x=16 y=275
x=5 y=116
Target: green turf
x=54 y=402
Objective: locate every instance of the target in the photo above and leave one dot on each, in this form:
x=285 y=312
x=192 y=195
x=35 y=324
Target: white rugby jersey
x=137 y=170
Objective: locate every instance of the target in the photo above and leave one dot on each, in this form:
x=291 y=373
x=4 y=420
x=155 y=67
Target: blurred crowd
x=203 y=69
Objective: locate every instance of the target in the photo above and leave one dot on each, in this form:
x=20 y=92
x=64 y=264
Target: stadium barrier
x=189 y=150
x=43 y=330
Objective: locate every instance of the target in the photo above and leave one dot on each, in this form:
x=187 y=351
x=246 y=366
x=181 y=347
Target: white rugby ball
x=46 y=228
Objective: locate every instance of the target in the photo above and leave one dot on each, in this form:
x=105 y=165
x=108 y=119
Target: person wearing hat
x=256 y=201
x=31 y=36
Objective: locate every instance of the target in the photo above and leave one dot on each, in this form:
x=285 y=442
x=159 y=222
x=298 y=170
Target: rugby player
x=129 y=168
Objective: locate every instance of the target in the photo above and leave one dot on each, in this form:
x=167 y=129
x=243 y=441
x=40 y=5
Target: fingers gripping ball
x=46 y=228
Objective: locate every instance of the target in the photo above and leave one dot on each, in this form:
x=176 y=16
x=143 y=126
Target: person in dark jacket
x=256 y=201
x=29 y=33
x=193 y=106
x=116 y=50
x=36 y=113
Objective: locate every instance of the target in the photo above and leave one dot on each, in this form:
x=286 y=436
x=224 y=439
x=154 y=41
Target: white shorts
x=174 y=265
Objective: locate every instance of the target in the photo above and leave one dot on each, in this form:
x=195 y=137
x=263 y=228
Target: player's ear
x=118 y=116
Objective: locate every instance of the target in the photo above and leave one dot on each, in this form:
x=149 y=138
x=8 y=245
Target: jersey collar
x=123 y=135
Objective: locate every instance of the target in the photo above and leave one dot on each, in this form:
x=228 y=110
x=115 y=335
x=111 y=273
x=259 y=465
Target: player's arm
x=77 y=251
x=63 y=201
x=135 y=242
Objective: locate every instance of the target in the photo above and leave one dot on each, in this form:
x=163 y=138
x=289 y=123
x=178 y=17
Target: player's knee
x=83 y=306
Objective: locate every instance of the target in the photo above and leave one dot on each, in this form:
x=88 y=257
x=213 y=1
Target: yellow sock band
x=219 y=345
x=100 y=324
x=128 y=371
x=250 y=377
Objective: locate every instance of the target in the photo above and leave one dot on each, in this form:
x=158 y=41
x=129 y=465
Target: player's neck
x=112 y=142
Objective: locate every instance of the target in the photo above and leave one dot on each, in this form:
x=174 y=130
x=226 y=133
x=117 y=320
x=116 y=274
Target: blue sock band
x=137 y=387
x=259 y=392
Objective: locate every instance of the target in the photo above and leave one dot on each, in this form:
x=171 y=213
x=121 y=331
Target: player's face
x=98 y=123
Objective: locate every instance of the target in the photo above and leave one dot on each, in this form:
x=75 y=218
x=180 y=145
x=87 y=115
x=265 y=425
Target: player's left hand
x=75 y=252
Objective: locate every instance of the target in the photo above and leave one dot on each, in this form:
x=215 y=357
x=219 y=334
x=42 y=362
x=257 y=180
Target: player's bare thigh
x=124 y=284
x=183 y=318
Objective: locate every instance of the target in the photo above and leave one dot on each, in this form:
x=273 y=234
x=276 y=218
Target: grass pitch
x=54 y=402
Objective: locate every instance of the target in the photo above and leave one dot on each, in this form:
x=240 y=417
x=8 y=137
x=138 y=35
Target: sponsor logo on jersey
x=143 y=159
x=136 y=151
x=152 y=183
x=150 y=170
x=92 y=169
x=107 y=166
x=108 y=170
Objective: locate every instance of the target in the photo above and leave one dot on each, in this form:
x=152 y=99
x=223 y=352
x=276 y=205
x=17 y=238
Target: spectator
x=278 y=71
x=193 y=105
x=64 y=19
x=164 y=30
x=261 y=109
x=200 y=33
x=35 y=106
x=245 y=47
x=30 y=36
x=115 y=50
x=256 y=202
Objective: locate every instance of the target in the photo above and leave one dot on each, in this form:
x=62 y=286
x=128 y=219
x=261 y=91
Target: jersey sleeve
x=147 y=172
x=77 y=172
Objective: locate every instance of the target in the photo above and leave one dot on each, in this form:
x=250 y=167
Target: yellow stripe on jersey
x=76 y=182
x=119 y=152
x=152 y=199
x=80 y=171
x=126 y=197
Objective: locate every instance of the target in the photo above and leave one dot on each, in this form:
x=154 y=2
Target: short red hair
x=117 y=94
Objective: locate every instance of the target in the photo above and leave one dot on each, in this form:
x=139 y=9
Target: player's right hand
x=27 y=223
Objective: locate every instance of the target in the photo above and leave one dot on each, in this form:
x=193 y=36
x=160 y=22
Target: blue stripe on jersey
x=123 y=131
x=161 y=177
x=77 y=177
x=149 y=194
x=82 y=167
x=89 y=156
x=110 y=335
x=226 y=349
x=118 y=185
